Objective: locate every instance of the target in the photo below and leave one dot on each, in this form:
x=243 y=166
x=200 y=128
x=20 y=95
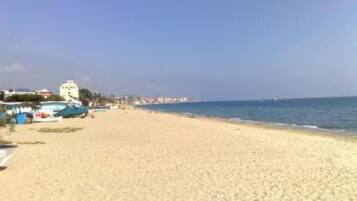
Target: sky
x=206 y=49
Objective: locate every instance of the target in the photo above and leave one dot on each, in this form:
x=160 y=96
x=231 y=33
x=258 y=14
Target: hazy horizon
x=210 y=50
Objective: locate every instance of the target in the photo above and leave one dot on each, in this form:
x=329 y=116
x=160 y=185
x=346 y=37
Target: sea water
x=334 y=114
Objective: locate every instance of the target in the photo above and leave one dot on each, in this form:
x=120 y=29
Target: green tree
x=55 y=98
x=2 y=95
x=97 y=95
x=24 y=98
x=85 y=94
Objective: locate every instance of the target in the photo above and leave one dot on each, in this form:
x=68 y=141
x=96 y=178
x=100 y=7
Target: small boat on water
x=5 y=153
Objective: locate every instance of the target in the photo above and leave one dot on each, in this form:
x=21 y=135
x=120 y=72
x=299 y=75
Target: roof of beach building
x=54 y=103
x=43 y=90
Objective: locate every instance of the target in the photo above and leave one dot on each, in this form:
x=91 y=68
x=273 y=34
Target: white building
x=11 y=92
x=45 y=93
x=69 y=91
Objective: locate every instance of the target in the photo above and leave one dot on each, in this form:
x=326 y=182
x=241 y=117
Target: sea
x=338 y=115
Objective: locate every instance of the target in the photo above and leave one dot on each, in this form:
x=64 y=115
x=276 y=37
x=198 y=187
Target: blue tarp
x=21 y=118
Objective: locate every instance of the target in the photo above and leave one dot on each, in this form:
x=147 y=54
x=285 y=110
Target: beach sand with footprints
x=141 y=155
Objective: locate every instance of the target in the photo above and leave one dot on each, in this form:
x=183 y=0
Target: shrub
x=24 y=98
x=55 y=98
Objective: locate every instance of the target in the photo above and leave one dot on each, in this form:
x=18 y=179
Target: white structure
x=45 y=93
x=16 y=108
x=69 y=91
x=11 y=92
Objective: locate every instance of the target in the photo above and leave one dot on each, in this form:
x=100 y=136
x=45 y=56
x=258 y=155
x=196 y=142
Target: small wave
x=189 y=114
x=339 y=130
x=255 y=122
x=236 y=119
x=279 y=124
x=310 y=126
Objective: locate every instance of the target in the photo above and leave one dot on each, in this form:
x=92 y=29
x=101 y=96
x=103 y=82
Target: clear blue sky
x=209 y=49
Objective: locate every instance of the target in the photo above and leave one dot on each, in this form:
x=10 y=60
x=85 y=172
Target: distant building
x=44 y=93
x=140 y=100
x=10 y=92
x=69 y=91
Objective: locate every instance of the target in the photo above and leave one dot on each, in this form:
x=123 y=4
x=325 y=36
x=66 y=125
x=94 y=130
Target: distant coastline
x=333 y=115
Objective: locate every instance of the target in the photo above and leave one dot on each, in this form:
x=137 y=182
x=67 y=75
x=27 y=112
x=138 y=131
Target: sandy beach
x=141 y=155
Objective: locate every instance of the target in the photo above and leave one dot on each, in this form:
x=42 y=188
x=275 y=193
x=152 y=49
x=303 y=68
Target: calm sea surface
x=337 y=114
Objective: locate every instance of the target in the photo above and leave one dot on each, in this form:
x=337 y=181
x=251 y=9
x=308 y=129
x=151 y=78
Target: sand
x=141 y=155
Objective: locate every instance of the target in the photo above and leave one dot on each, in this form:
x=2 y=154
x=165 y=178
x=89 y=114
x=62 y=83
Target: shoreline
x=336 y=115
x=339 y=135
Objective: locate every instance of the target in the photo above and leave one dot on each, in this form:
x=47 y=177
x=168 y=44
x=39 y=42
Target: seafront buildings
x=142 y=100
x=70 y=92
x=45 y=93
